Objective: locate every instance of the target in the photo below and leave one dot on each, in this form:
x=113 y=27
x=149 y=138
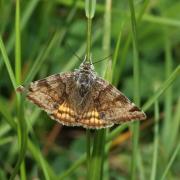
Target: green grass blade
x=128 y=41
x=7 y=63
x=82 y=159
x=6 y=140
x=98 y=154
x=25 y=17
x=22 y=138
x=22 y=134
x=57 y=38
x=90 y=7
x=135 y=55
x=161 y=20
x=156 y=142
x=170 y=162
x=175 y=126
x=89 y=11
x=97 y=158
x=162 y=88
x=4 y=129
x=73 y=61
x=115 y=56
x=48 y=174
x=42 y=57
x=166 y=130
x=75 y=165
x=17 y=44
x=136 y=80
x=6 y=113
x=88 y=152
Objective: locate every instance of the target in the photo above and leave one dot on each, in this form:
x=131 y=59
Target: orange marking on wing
x=64 y=108
x=91 y=120
x=90 y=114
x=65 y=115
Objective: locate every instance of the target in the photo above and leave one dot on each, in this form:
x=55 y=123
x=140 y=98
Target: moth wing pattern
x=103 y=107
x=91 y=119
x=65 y=114
x=112 y=105
x=48 y=93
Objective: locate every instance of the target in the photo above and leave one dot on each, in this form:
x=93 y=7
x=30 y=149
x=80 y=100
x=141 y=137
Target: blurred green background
x=48 y=28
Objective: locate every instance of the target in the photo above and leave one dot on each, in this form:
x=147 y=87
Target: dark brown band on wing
x=134 y=108
x=121 y=98
x=36 y=102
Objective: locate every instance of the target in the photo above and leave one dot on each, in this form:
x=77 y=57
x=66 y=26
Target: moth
x=81 y=98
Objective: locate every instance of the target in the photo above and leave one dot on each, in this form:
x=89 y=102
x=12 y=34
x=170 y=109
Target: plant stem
x=127 y=43
x=18 y=44
x=161 y=89
x=98 y=154
x=88 y=50
x=22 y=137
x=175 y=153
x=135 y=127
x=89 y=11
x=28 y=11
x=88 y=151
x=156 y=141
x=7 y=63
x=88 y=141
x=166 y=130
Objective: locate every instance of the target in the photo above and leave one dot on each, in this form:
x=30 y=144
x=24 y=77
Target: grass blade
x=90 y=6
x=166 y=130
x=7 y=63
x=98 y=154
x=17 y=44
x=89 y=11
x=162 y=88
x=22 y=134
x=170 y=162
x=136 y=80
x=156 y=141
x=25 y=17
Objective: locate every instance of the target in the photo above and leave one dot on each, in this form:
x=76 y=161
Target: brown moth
x=81 y=98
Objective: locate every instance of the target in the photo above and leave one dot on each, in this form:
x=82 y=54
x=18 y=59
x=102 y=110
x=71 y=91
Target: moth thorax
x=84 y=82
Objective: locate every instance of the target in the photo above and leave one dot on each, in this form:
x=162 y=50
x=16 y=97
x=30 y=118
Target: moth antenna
x=102 y=59
x=73 y=52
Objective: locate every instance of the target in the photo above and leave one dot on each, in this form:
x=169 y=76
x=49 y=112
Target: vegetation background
x=34 y=43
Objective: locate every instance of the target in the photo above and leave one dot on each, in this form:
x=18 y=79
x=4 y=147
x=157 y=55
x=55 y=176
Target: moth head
x=87 y=64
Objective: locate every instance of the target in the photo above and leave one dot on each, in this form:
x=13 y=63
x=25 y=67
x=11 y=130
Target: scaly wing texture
x=65 y=115
x=91 y=119
x=50 y=95
x=113 y=106
x=106 y=105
